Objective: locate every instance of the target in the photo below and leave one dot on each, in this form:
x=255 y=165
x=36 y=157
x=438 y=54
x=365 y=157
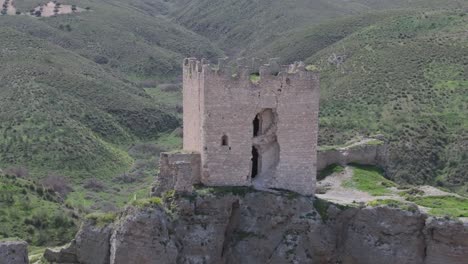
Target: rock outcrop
x=240 y=225
x=91 y=245
x=13 y=252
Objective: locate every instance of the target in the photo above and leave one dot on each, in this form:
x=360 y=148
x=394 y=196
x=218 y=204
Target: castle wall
x=177 y=171
x=298 y=106
x=361 y=154
x=192 y=104
x=287 y=141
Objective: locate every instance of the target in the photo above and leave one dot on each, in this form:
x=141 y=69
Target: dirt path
x=335 y=192
x=331 y=189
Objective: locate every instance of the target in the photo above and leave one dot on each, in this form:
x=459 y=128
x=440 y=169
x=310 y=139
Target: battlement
x=242 y=69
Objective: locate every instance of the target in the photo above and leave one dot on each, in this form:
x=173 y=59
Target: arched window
x=224 y=140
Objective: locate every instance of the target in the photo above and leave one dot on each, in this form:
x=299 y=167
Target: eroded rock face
x=447 y=242
x=258 y=227
x=380 y=235
x=142 y=236
x=90 y=246
x=14 y=252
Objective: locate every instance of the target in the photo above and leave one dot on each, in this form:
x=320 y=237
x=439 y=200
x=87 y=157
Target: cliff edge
x=240 y=225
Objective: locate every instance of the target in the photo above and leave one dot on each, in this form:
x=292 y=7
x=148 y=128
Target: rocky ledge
x=13 y=252
x=244 y=226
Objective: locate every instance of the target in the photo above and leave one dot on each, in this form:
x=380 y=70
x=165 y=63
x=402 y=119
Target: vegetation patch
x=443 y=205
x=255 y=78
x=393 y=204
x=223 y=190
x=322 y=208
x=412 y=192
x=334 y=168
x=148 y=202
x=101 y=219
x=34 y=214
x=369 y=179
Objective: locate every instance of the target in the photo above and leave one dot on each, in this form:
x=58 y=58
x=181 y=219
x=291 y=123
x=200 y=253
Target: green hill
x=60 y=111
x=243 y=26
x=405 y=76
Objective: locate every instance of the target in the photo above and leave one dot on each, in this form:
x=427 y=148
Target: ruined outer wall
x=231 y=102
x=192 y=105
x=177 y=171
x=361 y=154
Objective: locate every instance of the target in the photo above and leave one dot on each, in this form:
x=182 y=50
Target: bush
x=58 y=184
x=94 y=184
x=169 y=87
x=19 y=172
x=101 y=219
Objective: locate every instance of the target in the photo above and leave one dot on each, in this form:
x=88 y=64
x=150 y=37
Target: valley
x=90 y=97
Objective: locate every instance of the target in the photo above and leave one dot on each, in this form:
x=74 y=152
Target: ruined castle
x=246 y=125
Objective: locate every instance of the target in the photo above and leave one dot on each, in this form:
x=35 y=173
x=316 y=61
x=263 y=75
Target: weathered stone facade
x=252 y=125
x=177 y=171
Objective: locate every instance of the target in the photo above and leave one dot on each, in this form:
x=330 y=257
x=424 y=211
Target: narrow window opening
x=224 y=141
x=256 y=126
x=255 y=157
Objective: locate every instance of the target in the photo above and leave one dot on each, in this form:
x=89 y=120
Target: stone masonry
x=178 y=171
x=251 y=124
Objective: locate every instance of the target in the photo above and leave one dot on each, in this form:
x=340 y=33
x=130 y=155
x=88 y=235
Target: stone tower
x=252 y=124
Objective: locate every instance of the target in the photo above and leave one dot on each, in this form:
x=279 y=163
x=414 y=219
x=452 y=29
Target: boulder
x=13 y=252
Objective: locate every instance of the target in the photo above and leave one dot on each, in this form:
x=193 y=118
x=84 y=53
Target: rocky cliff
x=13 y=252
x=244 y=226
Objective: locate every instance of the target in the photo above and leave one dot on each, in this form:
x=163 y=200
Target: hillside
x=34 y=213
x=72 y=85
x=94 y=97
x=243 y=26
x=401 y=75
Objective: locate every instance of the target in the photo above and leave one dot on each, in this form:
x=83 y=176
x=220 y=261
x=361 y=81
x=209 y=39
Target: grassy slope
x=244 y=25
x=78 y=110
x=404 y=76
x=62 y=112
x=134 y=43
x=29 y=212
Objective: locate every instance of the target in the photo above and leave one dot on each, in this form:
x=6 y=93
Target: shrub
x=19 y=172
x=101 y=219
x=94 y=184
x=147 y=202
x=58 y=184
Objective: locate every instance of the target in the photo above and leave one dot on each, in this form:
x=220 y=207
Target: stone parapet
x=177 y=171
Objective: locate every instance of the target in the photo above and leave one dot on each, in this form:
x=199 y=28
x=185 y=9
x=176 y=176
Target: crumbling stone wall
x=177 y=171
x=361 y=154
x=220 y=102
